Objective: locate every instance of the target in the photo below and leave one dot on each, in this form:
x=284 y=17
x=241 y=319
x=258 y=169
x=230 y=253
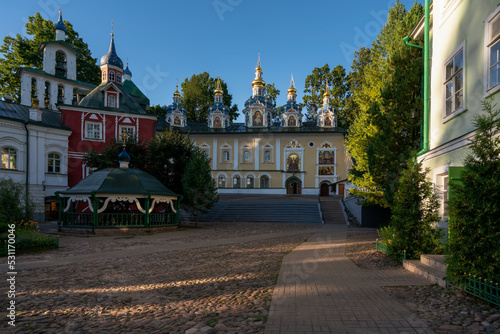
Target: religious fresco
x=217 y=122
x=326 y=170
x=328 y=121
x=326 y=158
x=258 y=119
x=177 y=121
x=293 y=162
x=292 y=121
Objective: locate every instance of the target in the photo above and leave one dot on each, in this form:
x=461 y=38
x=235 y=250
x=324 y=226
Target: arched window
x=221 y=181
x=118 y=77
x=60 y=67
x=60 y=94
x=292 y=121
x=9 y=158
x=236 y=181
x=246 y=156
x=264 y=182
x=225 y=155
x=250 y=183
x=104 y=75
x=205 y=153
x=328 y=121
x=54 y=163
x=111 y=101
x=267 y=155
x=111 y=75
x=293 y=162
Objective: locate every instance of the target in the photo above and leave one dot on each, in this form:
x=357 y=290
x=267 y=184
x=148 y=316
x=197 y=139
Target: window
x=127 y=130
x=246 y=156
x=267 y=156
x=112 y=101
x=54 y=163
x=236 y=181
x=454 y=84
x=221 y=181
x=492 y=41
x=205 y=154
x=9 y=158
x=225 y=155
x=118 y=78
x=250 y=183
x=292 y=121
x=93 y=130
x=104 y=75
x=111 y=75
x=264 y=181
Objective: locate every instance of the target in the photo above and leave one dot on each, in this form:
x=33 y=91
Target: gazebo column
x=95 y=213
x=147 y=210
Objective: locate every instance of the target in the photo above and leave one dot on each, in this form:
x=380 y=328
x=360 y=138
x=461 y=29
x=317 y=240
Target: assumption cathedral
x=43 y=139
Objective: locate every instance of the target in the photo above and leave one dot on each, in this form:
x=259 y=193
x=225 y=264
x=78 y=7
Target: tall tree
x=200 y=190
x=387 y=126
x=198 y=96
x=272 y=94
x=474 y=206
x=22 y=51
x=315 y=85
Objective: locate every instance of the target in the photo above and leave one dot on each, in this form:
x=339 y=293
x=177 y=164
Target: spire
x=258 y=83
x=176 y=93
x=218 y=89
x=327 y=90
x=292 y=90
x=111 y=58
x=60 y=28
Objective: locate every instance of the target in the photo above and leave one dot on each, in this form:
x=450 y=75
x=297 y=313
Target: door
x=324 y=190
x=341 y=189
x=293 y=188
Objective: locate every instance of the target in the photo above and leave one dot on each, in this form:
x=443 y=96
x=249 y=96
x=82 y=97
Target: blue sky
x=166 y=40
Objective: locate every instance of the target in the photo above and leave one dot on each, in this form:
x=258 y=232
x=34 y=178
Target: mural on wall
x=293 y=162
x=326 y=170
x=258 y=119
x=326 y=158
x=217 y=122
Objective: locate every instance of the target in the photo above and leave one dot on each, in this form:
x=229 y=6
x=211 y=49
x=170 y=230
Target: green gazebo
x=118 y=198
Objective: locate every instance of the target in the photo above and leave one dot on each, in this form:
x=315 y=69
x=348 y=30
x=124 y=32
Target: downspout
x=425 y=121
x=26 y=191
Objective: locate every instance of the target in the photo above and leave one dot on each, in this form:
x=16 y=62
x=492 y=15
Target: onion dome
x=327 y=90
x=176 y=93
x=111 y=58
x=60 y=24
x=124 y=156
x=292 y=90
x=127 y=71
x=258 y=81
x=218 y=89
x=176 y=106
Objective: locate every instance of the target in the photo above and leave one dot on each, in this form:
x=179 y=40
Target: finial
x=258 y=61
x=218 y=88
x=327 y=91
x=177 y=94
x=112 y=34
x=292 y=81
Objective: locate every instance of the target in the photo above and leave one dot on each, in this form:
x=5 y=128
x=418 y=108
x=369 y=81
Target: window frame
x=489 y=42
x=87 y=137
x=10 y=161
x=126 y=127
x=221 y=177
x=234 y=178
x=268 y=181
x=54 y=165
x=111 y=75
x=453 y=79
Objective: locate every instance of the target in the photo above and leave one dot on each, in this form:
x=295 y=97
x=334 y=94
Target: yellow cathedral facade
x=262 y=156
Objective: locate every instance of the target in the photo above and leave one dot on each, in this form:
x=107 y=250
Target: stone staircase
x=332 y=210
x=431 y=267
x=259 y=210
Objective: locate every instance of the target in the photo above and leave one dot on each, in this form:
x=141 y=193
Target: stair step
x=436 y=261
x=433 y=274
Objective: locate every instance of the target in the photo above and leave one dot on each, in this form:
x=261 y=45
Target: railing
x=480 y=288
x=384 y=249
x=118 y=220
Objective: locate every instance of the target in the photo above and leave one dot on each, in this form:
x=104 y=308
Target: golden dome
x=258 y=81
x=327 y=90
x=177 y=94
x=292 y=90
x=218 y=89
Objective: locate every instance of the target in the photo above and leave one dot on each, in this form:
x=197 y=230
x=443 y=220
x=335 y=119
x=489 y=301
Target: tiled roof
x=20 y=113
x=128 y=104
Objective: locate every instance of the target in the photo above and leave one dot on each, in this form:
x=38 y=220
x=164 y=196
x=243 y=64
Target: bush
x=15 y=205
x=474 y=206
x=411 y=228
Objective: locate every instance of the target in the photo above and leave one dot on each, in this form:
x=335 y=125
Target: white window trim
x=232 y=180
x=226 y=147
x=60 y=163
x=249 y=148
x=333 y=149
x=265 y=174
x=95 y=123
x=120 y=127
x=253 y=176
x=488 y=91
x=445 y=118
x=267 y=147
x=217 y=179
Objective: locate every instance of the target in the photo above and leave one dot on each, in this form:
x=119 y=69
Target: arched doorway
x=324 y=189
x=293 y=186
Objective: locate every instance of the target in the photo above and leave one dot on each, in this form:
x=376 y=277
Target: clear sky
x=166 y=40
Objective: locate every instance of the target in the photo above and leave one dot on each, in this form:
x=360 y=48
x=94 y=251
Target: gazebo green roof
x=120 y=181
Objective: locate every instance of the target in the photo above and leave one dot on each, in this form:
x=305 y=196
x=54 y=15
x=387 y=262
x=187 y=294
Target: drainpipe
x=27 y=184
x=425 y=142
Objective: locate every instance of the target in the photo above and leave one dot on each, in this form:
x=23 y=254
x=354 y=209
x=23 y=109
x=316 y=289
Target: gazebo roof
x=120 y=181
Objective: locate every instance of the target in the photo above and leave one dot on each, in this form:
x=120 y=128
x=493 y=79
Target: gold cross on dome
x=124 y=136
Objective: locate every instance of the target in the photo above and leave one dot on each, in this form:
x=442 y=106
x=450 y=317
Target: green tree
x=474 y=205
x=387 y=126
x=272 y=94
x=356 y=80
x=315 y=85
x=157 y=110
x=198 y=96
x=15 y=203
x=108 y=158
x=22 y=51
x=415 y=210
x=200 y=190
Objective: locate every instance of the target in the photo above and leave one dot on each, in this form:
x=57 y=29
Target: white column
x=278 y=153
x=68 y=94
x=40 y=92
x=53 y=95
x=236 y=152
x=257 y=154
x=26 y=89
x=215 y=149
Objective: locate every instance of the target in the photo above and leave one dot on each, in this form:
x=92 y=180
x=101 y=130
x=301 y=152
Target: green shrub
x=28 y=241
x=4 y=227
x=474 y=206
x=415 y=211
x=15 y=204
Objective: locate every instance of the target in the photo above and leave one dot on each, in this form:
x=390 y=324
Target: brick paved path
x=320 y=290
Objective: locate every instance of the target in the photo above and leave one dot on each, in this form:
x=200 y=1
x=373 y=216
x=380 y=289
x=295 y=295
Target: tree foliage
x=272 y=94
x=200 y=190
x=157 y=110
x=198 y=95
x=415 y=210
x=22 y=51
x=474 y=205
x=315 y=85
x=15 y=204
x=387 y=104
